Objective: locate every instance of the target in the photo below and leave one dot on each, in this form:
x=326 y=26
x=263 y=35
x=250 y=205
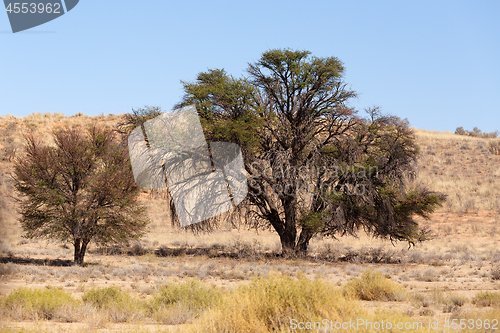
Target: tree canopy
x=315 y=167
x=78 y=190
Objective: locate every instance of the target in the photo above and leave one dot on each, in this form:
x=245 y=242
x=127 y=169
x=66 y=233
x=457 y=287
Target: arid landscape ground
x=232 y=281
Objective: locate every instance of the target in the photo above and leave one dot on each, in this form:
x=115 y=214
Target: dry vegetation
x=464 y=167
x=232 y=280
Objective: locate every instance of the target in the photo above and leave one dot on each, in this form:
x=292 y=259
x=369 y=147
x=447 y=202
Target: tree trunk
x=80 y=248
x=289 y=235
x=77 y=251
x=287 y=244
x=305 y=236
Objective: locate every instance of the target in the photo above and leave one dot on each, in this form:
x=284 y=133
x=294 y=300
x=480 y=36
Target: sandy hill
x=463 y=167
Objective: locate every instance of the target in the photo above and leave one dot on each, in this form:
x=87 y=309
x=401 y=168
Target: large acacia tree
x=78 y=189
x=314 y=166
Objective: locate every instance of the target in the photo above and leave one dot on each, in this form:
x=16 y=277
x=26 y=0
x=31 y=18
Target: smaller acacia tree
x=80 y=189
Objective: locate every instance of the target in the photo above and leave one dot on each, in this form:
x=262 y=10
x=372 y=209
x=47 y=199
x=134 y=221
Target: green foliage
x=119 y=305
x=373 y=286
x=419 y=202
x=291 y=112
x=191 y=293
x=182 y=302
x=109 y=297
x=314 y=221
x=226 y=107
x=137 y=118
x=38 y=303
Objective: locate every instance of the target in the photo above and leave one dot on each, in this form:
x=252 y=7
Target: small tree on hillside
x=314 y=167
x=137 y=118
x=80 y=189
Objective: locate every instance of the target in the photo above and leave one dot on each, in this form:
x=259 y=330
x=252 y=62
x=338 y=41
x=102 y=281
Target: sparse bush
x=460 y=131
x=495 y=273
x=476 y=132
x=8 y=269
x=452 y=302
x=494 y=147
x=119 y=305
x=180 y=302
x=487 y=298
x=374 y=286
x=268 y=305
x=353 y=270
x=106 y=297
x=33 y=304
x=429 y=275
x=138 y=250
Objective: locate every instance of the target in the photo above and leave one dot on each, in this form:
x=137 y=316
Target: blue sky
x=436 y=63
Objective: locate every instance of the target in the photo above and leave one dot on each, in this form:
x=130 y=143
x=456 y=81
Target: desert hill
x=454 y=275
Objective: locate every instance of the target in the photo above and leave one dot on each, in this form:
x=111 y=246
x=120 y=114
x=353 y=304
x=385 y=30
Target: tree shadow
x=39 y=262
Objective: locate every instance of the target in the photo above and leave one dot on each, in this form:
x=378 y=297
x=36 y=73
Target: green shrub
x=487 y=298
x=119 y=305
x=180 y=302
x=36 y=304
x=374 y=286
x=106 y=297
x=192 y=293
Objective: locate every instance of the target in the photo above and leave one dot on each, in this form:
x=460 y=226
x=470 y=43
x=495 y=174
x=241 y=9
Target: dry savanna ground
x=232 y=281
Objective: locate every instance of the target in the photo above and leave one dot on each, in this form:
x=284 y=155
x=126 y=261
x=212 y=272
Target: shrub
x=452 y=302
x=119 y=305
x=106 y=297
x=192 y=292
x=373 y=286
x=180 y=302
x=476 y=132
x=494 y=147
x=487 y=298
x=429 y=275
x=268 y=305
x=8 y=269
x=34 y=304
x=460 y=131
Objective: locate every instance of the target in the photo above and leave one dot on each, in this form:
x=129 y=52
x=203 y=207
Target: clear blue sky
x=436 y=63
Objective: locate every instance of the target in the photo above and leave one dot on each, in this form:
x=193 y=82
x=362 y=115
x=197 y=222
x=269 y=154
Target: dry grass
x=487 y=299
x=265 y=304
x=462 y=167
x=269 y=304
x=232 y=280
x=374 y=286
